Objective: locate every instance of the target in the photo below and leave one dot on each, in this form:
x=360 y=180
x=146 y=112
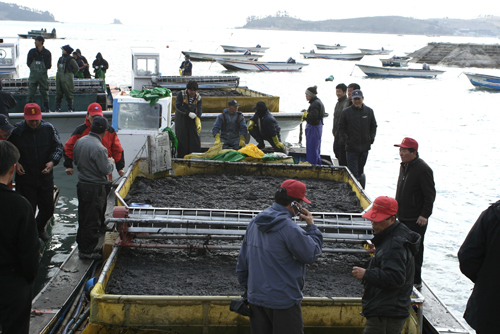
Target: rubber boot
x=46 y=106
x=58 y=107
x=70 y=108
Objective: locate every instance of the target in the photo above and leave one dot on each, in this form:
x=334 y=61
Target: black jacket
x=480 y=262
x=44 y=55
x=358 y=127
x=315 y=112
x=19 y=244
x=7 y=102
x=415 y=191
x=388 y=279
x=37 y=147
x=100 y=62
x=342 y=103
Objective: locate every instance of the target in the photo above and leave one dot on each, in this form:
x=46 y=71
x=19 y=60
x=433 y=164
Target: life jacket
x=185 y=97
x=238 y=120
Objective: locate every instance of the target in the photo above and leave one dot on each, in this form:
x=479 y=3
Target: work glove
x=278 y=143
x=250 y=125
x=180 y=72
x=217 y=139
x=198 y=125
x=97 y=67
x=242 y=141
x=304 y=115
x=192 y=115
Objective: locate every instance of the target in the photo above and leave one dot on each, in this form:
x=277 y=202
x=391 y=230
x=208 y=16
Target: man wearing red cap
x=41 y=149
x=415 y=195
x=272 y=259
x=388 y=280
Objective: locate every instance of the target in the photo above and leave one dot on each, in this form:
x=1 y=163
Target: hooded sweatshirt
x=272 y=259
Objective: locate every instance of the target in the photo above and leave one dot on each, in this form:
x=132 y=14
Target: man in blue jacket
x=263 y=126
x=272 y=259
x=230 y=127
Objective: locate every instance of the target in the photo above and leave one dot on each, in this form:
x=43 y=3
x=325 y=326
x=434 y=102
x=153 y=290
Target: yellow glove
x=242 y=141
x=198 y=125
x=180 y=72
x=304 y=115
x=217 y=139
x=250 y=125
x=278 y=143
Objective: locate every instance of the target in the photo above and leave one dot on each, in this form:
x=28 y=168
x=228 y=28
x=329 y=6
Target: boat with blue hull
x=484 y=80
x=398 y=72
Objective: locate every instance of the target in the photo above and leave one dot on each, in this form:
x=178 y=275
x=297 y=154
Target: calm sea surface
x=454 y=123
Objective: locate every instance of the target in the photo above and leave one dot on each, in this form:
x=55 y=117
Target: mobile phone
x=299 y=209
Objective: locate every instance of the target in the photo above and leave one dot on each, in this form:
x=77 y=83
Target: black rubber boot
x=58 y=107
x=46 y=106
x=70 y=108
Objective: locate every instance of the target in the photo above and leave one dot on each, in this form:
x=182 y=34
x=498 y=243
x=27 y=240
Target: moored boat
x=398 y=72
x=329 y=47
x=381 y=51
x=198 y=56
x=395 y=61
x=484 y=80
x=9 y=58
x=259 y=66
x=41 y=32
x=230 y=48
x=337 y=56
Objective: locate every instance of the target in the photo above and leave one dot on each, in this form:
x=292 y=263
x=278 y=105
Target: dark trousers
x=419 y=257
x=42 y=198
x=356 y=163
x=384 y=325
x=255 y=133
x=91 y=202
x=15 y=302
x=339 y=151
x=273 y=321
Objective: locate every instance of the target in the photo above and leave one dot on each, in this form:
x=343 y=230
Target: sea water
x=454 y=123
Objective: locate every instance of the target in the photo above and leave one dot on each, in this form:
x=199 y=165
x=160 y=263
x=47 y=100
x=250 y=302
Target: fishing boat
x=257 y=66
x=337 y=56
x=396 y=61
x=398 y=72
x=9 y=58
x=329 y=47
x=375 y=51
x=198 y=56
x=42 y=32
x=484 y=80
x=230 y=48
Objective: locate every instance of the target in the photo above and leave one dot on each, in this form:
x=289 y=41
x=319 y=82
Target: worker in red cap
x=415 y=195
x=272 y=259
x=41 y=149
x=388 y=279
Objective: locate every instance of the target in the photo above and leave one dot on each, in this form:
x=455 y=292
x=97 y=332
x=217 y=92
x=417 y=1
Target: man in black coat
x=415 y=195
x=388 y=280
x=19 y=249
x=188 y=110
x=479 y=261
x=6 y=101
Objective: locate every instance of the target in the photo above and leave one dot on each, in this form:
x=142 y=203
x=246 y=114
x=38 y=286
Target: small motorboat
x=198 y=56
x=329 y=47
x=338 y=56
x=375 y=52
x=398 y=72
x=258 y=48
x=41 y=32
x=484 y=80
x=396 y=61
x=258 y=66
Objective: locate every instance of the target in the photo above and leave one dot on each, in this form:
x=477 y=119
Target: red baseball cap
x=408 y=143
x=295 y=189
x=383 y=207
x=94 y=109
x=32 y=112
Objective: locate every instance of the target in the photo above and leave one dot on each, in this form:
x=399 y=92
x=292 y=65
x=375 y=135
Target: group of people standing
x=71 y=64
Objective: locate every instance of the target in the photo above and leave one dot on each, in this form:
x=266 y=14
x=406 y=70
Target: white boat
x=484 y=80
x=395 y=61
x=338 y=56
x=329 y=47
x=375 y=51
x=9 y=58
x=212 y=56
x=398 y=72
x=239 y=65
x=230 y=48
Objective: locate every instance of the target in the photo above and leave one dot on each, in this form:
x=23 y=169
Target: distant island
x=482 y=26
x=13 y=12
x=116 y=21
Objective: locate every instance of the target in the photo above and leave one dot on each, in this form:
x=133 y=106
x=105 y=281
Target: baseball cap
x=383 y=207
x=99 y=125
x=357 y=94
x=32 y=112
x=4 y=123
x=94 y=109
x=261 y=105
x=295 y=189
x=408 y=143
x=233 y=103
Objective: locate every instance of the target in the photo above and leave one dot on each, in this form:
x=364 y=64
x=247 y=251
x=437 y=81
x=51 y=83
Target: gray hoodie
x=91 y=157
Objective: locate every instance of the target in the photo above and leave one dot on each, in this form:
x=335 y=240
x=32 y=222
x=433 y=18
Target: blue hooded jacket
x=272 y=259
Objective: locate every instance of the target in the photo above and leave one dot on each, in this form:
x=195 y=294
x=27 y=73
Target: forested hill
x=13 y=12
x=481 y=26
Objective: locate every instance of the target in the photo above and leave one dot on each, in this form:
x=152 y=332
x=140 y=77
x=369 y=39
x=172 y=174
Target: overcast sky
x=224 y=13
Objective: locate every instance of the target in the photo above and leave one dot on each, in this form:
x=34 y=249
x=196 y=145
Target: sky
x=230 y=14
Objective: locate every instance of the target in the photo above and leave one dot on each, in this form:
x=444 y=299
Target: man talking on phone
x=272 y=259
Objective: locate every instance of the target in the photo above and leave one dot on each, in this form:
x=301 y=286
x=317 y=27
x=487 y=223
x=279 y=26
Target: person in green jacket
x=39 y=61
x=66 y=69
